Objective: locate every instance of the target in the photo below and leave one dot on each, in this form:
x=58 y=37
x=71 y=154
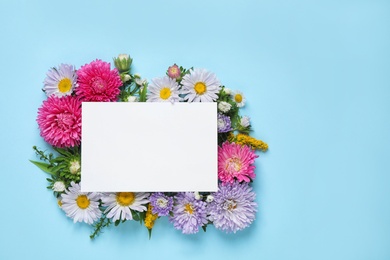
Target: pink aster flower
x=174 y=72
x=235 y=162
x=97 y=82
x=59 y=121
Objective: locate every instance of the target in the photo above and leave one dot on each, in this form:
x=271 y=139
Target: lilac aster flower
x=161 y=203
x=224 y=124
x=188 y=214
x=233 y=207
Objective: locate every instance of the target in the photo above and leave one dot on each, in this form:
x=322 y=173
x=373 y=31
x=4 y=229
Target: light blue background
x=316 y=76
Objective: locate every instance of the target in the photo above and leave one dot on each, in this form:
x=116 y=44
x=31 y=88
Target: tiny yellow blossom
x=150 y=217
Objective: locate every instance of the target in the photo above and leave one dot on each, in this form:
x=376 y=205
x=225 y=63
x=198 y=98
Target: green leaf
x=135 y=216
x=62 y=152
x=142 y=95
x=43 y=166
x=204 y=228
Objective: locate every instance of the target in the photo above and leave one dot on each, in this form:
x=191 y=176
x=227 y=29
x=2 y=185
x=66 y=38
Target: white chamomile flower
x=245 y=121
x=224 y=106
x=120 y=204
x=60 y=81
x=80 y=206
x=239 y=98
x=200 y=86
x=163 y=89
x=59 y=186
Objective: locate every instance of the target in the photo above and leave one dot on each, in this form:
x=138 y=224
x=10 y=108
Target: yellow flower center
x=165 y=93
x=82 y=201
x=200 y=88
x=125 y=198
x=59 y=202
x=233 y=165
x=173 y=70
x=64 y=85
x=238 y=98
x=188 y=208
x=229 y=205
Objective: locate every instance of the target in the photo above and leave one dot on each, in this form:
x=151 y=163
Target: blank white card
x=142 y=147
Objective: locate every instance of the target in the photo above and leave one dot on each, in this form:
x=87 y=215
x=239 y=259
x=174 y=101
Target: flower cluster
x=230 y=209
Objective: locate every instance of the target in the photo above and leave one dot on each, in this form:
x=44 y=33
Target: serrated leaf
x=43 y=166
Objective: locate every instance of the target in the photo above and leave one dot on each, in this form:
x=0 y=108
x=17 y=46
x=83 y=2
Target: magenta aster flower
x=59 y=121
x=97 y=82
x=188 y=213
x=174 y=72
x=235 y=162
x=233 y=207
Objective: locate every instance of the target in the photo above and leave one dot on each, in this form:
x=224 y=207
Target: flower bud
x=209 y=198
x=227 y=91
x=125 y=77
x=132 y=99
x=123 y=62
x=245 y=121
x=197 y=195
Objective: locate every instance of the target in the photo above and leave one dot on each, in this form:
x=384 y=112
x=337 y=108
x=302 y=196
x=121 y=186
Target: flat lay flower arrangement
x=230 y=209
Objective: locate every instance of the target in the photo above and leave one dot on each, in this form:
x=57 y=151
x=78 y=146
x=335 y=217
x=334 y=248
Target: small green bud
x=123 y=63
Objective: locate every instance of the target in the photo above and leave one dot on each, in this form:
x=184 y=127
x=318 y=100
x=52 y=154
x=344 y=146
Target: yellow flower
x=150 y=218
x=243 y=139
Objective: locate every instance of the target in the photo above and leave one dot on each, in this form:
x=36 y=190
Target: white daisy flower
x=245 y=121
x=224 y=106
x=81 y=206
x=200 y=86
x=60 y=82
x=239 y=98
x=163 y=89
x=120 y=204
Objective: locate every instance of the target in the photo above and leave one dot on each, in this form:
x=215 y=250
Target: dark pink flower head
x=235 y=162
x=174 y=72
x=59 y=121
x=97 y=82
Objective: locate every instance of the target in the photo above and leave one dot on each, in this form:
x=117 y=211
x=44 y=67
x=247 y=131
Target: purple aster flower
x=161 y=203
x=224 y=124
x=233 y=207
x=188 y=213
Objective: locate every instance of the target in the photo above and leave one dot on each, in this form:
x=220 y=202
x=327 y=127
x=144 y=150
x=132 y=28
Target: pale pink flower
x=235 y=162
x=97 y=82
x=174 y=72
x=59 y=121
